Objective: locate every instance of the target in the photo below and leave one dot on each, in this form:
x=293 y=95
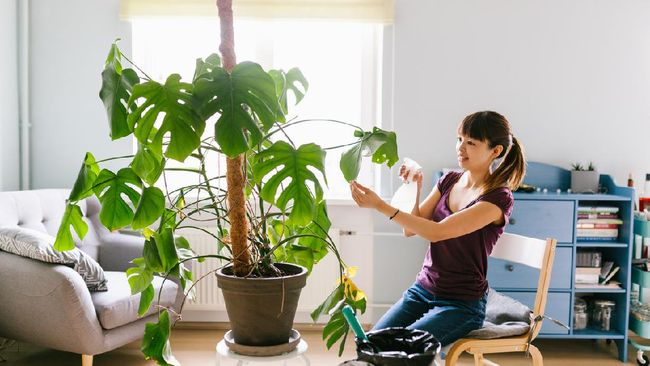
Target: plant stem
x=136 y=66
x=115 y=158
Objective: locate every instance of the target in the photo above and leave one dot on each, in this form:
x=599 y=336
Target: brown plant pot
x=261 y=310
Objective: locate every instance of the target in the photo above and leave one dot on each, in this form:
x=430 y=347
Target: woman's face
x=475 y=154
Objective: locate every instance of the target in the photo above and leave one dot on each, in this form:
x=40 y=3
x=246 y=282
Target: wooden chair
x=531 y=252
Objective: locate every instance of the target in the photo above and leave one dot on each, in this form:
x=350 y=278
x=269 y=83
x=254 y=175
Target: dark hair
x=494 y=129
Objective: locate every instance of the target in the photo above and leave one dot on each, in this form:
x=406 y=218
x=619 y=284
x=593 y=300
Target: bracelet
x=390 y=218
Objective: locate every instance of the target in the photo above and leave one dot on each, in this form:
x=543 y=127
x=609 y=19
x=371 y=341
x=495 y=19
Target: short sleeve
x=502 y=198
x=445 y=181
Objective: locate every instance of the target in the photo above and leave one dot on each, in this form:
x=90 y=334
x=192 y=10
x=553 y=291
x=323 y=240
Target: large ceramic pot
x=261 y=310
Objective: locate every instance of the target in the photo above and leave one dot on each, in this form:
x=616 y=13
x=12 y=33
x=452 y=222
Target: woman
x=462 y=217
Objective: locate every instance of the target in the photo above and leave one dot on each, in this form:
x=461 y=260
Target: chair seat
x=117 y=307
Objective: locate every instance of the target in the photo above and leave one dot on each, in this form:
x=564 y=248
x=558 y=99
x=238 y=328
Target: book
x=600 y=221
x=610 y=275
x=597 y=216
x=610 y=285
x=605 y=269
x=588 y=270
x=598 y=232
x=597 y=226
x=596 y=209
x=586 y=278
x=597 y=238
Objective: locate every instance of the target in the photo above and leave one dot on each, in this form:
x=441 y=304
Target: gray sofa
x=49 y=304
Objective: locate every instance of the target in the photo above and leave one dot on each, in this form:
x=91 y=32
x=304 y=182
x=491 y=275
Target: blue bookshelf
x=561 y=224
x=542 y=215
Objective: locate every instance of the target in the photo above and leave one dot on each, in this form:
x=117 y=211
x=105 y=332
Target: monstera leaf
x=116 y=91
x=241 y=97
x=205 y=67
x=174 y=100
x=155 y=343
x=293 y=164
x=293 y=81
x=304 y=250
x=150 y=208
x=71 y=217
x=114 y=58
x=381 y=144
x=85 y=179
x=111 y=189
x=148 y=164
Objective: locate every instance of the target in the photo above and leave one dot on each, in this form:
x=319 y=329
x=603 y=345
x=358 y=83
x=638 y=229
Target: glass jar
x=602 y=313
x=580 y=314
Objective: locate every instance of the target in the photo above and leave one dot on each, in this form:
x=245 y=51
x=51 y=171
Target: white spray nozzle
x=412 y=167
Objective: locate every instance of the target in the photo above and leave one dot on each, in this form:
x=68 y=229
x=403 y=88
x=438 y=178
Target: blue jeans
x=447 y=319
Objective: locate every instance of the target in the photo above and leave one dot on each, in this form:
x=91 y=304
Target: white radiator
x=209 y=305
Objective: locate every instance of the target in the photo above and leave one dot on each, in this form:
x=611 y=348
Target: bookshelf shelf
x=600 y=244
x=590 y=333
x=599 y=290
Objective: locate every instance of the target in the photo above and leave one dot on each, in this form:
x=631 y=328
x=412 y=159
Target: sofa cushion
x=117 y=307
x=40 y=246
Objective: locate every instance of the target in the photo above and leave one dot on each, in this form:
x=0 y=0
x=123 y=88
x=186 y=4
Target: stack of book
x=597 y=277
x=598 y=223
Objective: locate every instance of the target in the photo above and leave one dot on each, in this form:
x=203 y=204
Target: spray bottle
x=406 y=194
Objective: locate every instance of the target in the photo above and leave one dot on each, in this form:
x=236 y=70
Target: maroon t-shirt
x=456 y=268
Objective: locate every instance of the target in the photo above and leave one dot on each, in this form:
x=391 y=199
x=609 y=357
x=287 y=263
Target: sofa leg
x=86 y=360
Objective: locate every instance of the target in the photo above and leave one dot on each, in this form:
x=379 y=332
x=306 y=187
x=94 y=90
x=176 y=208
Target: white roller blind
x=379 y=11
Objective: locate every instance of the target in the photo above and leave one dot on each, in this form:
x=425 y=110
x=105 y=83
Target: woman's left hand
x=364 y=196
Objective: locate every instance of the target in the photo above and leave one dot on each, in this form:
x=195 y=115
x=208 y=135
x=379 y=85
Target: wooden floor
x=197 y=347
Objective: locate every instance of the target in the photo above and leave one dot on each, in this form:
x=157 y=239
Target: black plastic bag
x=398 y=347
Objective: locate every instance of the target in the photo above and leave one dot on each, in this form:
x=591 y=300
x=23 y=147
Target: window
x=341 y=61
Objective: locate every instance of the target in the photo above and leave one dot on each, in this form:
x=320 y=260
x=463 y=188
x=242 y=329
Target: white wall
x=573 y=78
x=69 y=43
x=9 y=160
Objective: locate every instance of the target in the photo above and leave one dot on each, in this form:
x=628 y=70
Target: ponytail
x=511 y=171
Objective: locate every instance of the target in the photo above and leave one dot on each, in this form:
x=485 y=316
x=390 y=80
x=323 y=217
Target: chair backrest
x=532 y=252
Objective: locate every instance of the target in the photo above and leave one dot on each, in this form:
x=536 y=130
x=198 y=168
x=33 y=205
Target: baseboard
x=302 y=327
x=200 y=314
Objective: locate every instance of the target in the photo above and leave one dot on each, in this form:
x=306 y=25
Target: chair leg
x=86 y=360
x=537 y=356
x=478 y=359
x=452 y=356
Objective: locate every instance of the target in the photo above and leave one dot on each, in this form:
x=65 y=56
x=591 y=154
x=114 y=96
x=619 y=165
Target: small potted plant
x=584 y=180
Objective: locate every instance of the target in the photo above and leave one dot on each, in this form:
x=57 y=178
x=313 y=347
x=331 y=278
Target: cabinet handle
x=510 y=267
x=512 y=221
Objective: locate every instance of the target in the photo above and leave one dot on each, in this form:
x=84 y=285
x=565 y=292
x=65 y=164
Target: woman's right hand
x=403 y=172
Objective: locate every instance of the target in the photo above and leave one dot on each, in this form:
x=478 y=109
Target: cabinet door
x=557 y=307
x=543 y=219
x=506 y=274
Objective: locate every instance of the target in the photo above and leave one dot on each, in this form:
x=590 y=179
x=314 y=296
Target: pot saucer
x=262 y=351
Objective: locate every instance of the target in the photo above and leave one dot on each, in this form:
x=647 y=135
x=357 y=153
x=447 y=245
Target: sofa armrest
x=117 y=250
x=48 y=305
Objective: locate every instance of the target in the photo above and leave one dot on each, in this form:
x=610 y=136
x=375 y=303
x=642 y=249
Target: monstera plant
x=244 y=109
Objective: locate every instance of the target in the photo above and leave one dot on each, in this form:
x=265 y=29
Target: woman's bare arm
x=425 y=210
x=455 y=225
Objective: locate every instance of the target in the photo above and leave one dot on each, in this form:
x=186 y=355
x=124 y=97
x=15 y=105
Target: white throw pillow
x=40 y=246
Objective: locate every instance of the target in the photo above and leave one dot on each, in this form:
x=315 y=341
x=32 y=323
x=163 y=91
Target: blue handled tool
x=348 y=313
